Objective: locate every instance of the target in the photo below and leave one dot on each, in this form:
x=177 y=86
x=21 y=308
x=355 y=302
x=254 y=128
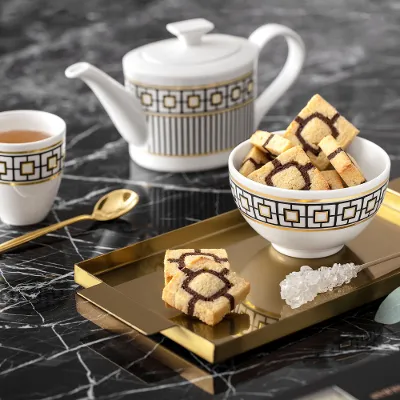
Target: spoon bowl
x=115 y=204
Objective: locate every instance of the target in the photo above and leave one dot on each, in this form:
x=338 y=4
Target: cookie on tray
x=178 y=259
x=291 y=170
x=255 y=159
x=333 y=178
x=343 y=163
x=206 y=290
x=317 y=120
x=269 y=142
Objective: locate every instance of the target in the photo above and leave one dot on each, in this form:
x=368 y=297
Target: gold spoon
x=111 y=206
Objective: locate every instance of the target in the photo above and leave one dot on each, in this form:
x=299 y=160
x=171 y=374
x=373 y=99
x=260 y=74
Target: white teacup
x=308 y=223
x=30 y=172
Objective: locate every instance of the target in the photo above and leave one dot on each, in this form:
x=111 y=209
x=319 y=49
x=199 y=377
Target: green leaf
x=389 y=311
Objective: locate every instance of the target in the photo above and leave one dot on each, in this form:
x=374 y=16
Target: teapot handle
x=290 y=71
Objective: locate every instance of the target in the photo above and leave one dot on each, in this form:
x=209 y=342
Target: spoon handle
x=40 y=232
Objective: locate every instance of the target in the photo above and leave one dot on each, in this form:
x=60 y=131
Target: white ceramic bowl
x=312 y=224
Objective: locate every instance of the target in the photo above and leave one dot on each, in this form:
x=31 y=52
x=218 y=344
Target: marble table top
x=46 y=346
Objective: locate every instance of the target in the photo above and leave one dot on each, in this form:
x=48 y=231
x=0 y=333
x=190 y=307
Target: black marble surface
x=47 y=350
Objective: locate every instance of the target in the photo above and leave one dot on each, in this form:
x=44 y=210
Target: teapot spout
x=122 y=106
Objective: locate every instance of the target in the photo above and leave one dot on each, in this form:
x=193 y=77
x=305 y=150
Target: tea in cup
x=32 y=150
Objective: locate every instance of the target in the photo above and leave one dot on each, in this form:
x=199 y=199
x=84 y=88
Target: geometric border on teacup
x=308 y=216
x=26 y=168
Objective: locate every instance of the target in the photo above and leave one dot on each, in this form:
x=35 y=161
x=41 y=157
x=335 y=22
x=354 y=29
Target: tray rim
x=87 y=274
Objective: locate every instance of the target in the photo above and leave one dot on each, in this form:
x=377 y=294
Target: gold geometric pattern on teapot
x=210 y=99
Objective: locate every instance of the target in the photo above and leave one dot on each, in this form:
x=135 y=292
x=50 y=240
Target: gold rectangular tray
x=127 y=283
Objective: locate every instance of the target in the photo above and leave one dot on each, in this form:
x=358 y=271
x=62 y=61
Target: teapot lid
x=192 y=45
x=191 y=53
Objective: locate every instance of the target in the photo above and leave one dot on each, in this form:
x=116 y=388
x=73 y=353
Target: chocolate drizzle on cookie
x=279 y=167
x=254 y=162
x=223 y=292
x=181 y=261
x=302 y=124
x=268 y=140
x=335 y=153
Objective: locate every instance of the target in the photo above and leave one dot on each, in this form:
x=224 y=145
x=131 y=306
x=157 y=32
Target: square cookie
x=178 y=259
x=206 y=290
x=254 y=159
x=268 y=142
x=291 y=170
x=333 y=179
x=317 y=120
x=343 y=163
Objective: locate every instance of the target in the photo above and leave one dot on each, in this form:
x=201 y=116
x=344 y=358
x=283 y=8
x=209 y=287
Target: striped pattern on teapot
x=197 y=120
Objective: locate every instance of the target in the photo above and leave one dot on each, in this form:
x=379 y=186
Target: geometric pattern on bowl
x=31 y=168
x=257 y=319
x=329 y=214
x=193 y=100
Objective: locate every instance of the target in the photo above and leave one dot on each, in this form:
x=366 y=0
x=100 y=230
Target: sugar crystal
x=303 y=286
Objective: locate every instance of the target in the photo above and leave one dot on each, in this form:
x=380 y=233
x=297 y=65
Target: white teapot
x=189 y=100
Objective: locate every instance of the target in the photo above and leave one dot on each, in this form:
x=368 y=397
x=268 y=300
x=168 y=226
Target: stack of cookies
x=309 y=156
x=199 y=283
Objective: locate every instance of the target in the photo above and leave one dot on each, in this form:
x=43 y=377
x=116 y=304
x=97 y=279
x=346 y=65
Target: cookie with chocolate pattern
x=291 y=170
x=206 y=290
x=177 y=259
x=315 y=121
x=333 y=178
x=343 y=163
x=255 y=159
x=270 y=143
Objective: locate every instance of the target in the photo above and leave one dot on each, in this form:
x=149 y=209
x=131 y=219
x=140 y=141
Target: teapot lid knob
x=191 y=30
